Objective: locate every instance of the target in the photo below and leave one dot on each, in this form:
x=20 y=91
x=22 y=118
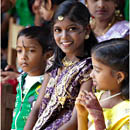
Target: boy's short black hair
x=40 y=34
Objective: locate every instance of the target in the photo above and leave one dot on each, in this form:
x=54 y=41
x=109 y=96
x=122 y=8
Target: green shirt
x=24 y=103
x=21 y=10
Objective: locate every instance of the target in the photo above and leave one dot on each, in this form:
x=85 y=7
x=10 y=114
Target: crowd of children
x=86 y=85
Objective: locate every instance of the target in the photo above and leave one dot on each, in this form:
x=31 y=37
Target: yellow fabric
x=116 y=118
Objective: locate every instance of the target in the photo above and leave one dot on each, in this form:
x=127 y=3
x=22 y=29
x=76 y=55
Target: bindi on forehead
x=23 y=43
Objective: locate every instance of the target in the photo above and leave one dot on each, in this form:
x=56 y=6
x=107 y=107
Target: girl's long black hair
x=76 y=12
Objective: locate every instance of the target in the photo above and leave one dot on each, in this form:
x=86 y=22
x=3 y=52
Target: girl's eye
x=72 y=29
x=96 y=70
x=57 y=30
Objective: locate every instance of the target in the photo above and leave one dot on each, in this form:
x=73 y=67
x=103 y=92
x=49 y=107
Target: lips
x=24 y=64
x=66 y=44
x=101 y=11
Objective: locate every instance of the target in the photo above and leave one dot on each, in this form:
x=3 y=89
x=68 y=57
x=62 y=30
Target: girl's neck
x=102 y=26
x=71 y=57
x=110 y=99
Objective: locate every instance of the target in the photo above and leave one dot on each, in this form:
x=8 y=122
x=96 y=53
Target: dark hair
x=115 y=54
x=40 y=34
x=120 y=6
x=30 y=4
x=57 y=2
x=76 y=12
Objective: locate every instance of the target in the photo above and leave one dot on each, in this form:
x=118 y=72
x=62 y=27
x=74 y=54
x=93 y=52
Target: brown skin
x=64 y=33
x=87 y=103
x=104 y=14
x=72 y=124
x=34 y=113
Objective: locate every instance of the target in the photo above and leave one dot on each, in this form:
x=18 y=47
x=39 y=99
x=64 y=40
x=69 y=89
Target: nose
x=64 y=35
x=92 y=73
x=101 y=4
x=24 y=55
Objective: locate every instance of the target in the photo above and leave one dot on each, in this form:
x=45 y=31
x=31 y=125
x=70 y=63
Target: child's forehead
x=65 y=20
x=24 y=41
x=28 y=42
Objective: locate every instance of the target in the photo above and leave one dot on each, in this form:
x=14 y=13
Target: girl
x=32 y=53
x=109 y=108
x=46 y=7
x=69 y=72
x=107 y=19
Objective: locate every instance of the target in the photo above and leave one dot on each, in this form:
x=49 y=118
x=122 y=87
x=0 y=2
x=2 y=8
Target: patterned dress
x=118 y=30
x=61 y=92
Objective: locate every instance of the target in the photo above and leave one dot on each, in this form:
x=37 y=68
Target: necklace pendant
x=62 y=101
x=67 y=63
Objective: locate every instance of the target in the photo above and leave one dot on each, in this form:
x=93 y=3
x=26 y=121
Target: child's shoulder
x=21 y=76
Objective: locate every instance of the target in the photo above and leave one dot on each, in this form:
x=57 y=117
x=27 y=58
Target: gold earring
x=86 y=3
x=92 y=22
x=86 y=36
x=118 y=13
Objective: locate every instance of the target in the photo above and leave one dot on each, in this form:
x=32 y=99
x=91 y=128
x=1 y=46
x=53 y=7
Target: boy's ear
x=120 y=77
x=48 y=54
x=48 y=5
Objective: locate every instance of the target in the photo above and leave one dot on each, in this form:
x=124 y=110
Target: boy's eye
x=19 y=50
x=108 y=0
x=94 y=0
x=31 y=50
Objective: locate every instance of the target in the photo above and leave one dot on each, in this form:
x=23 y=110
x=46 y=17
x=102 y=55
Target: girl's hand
x=86 y=103
x=92 y=105
x=79 y=104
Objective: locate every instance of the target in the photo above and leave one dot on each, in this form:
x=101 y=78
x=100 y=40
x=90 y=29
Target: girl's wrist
x=96 y=114
x=100 y=124
x=83 y=115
